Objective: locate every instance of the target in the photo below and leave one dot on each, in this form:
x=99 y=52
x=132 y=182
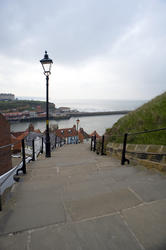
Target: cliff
x=149 y=116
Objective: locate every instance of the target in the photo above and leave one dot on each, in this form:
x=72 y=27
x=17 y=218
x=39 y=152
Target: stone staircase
x=79 y=200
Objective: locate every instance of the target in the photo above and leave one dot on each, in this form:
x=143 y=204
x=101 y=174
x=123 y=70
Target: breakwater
x=79 y=114
x=69 y=115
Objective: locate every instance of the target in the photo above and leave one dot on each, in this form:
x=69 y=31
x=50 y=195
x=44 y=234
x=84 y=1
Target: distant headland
x=30 y=110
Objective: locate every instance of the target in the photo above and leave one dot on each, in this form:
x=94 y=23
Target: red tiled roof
x=66 y=132
x=37 y=131
x=16 y=134
x=16 y=138
x=82 y=135
x=23 y=135
x=42 y=115
x=16 y=143
x=13 y=114
x=95 y=133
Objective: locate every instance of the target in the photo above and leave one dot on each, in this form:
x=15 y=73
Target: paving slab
x=42 y=184
x=14 y=242
x=101 y=204
x=78 y=169
x=149 y=186
x=39 y=214
x=151 y=191
x=148 y=222
x=47 y=171
x=124 y=173
x=84 y=189
x=102 y=233
x=47 y=196
x=79 y=200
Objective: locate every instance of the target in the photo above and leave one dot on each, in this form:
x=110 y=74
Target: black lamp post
x=46 y=64
x=77 y=123
x=77 y=129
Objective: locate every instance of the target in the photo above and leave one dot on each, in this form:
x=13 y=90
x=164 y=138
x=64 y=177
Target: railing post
x=91 y=143
x=102 y=146
x=33 y=150
x=94 y=146
x=41 y=151
x=23 y=157
x=55 y=141
x=0 y=202
x=123 y=160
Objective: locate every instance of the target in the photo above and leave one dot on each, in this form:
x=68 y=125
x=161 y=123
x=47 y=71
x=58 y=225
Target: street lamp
x=46 y=64
x=77 y=123
x=77 y=129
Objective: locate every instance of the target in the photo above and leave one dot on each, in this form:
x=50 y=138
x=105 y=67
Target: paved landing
x=79 y=200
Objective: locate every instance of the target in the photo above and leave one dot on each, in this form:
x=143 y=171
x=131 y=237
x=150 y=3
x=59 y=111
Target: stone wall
x=151 y=156
x=5 y=139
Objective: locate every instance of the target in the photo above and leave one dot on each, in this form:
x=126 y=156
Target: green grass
x=151 y=115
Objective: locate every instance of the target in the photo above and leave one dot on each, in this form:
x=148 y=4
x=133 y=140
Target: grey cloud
x=70 y=30
x=128 y=35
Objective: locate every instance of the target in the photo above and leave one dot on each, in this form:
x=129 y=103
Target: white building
x=64 y=109
x=32 y=114
x=6 y=97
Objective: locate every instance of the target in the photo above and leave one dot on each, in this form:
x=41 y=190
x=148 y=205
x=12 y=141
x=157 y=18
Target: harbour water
x=99 y=105
x=90 y=123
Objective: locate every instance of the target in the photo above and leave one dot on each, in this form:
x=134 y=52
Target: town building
x=14 y=116
x=5 y=151
x=83 y=136
x=6 y=97
x=70 y=135
x=29 y=134
x=39 y=109
x=94 y=133
x=16 y=139
x=64 y=109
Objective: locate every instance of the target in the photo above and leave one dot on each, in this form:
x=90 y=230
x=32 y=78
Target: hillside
x=21 y=105
x=149 y=116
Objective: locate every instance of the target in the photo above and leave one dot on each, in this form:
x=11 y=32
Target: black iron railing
x=124 y=137
x=21 y=167
x=94 y=145
x=124 y=159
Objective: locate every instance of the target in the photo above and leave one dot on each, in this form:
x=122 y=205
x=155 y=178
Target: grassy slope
x=151 y=115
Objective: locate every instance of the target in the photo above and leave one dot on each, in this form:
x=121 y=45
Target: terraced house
x=70 y=135
x=5 y=151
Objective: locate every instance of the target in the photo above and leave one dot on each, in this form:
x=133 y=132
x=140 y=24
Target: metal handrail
x=5 y=146
x=93 y=145
x=24 y=158
x=147 y=131
x=23 y=168
x=12 y=170
x=124 y=159
x=8 y=145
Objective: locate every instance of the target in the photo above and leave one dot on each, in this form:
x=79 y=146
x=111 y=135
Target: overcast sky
x=109 y=49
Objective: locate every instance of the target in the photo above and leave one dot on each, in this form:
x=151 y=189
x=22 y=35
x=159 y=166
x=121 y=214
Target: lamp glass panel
x=46 y=67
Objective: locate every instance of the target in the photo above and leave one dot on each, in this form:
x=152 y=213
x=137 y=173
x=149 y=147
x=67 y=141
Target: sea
x=90 y=123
